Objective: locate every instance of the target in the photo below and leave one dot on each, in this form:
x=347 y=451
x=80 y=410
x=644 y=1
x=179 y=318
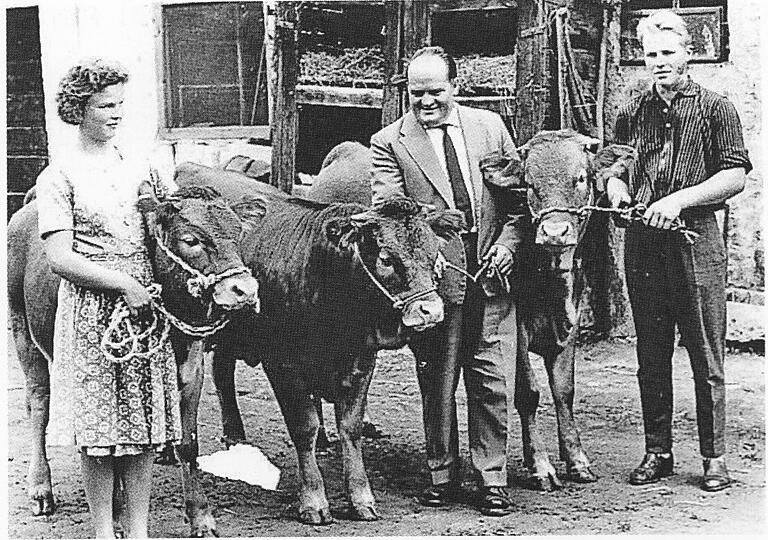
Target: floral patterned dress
x=101 y=405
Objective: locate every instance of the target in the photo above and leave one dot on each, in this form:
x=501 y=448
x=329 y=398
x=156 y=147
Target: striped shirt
x=681 y=144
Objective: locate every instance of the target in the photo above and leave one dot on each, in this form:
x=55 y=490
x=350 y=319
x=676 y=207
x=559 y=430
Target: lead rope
x=629 y=213
x=124 y=339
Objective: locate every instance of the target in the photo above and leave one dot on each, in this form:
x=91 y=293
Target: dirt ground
x=608 y=411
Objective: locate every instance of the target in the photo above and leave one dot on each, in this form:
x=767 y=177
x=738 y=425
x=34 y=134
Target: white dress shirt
x=457 y=137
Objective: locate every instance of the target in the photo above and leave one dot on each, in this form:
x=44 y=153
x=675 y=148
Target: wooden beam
x=339 y=96
x=285 y=119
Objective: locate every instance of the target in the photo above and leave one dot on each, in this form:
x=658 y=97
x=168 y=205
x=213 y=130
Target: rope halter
x=199 y=282
x=628 y=213
x=397 y=303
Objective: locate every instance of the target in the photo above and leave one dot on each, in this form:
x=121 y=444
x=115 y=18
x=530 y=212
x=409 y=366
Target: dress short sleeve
x=55 y=201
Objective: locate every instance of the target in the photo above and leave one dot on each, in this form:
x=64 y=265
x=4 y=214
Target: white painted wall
x=125 y=31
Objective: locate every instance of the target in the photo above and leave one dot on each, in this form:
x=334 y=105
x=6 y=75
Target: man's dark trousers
x=480 y=337
x=672 y=282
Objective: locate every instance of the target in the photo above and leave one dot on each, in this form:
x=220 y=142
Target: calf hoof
x=41 y=501
x=230 y=441
x=203 y=526
x=546 y=482
x=363 y=512
x=581 y=475
x=313 y=516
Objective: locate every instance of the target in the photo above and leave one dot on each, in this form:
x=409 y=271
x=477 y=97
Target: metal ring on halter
x=397 y=303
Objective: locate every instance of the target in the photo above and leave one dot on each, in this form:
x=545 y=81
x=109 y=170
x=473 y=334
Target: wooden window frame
x=165 y=133
x=721 y=55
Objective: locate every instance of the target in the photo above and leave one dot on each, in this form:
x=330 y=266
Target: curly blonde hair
x=83 y=80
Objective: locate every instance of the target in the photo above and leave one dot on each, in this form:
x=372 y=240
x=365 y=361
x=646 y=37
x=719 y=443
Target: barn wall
x=27 y=147
x=739 y=80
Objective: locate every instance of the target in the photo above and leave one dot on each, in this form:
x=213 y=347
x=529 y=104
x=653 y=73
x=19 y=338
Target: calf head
x=562 y=174
x=399 y=243
x=203 y=231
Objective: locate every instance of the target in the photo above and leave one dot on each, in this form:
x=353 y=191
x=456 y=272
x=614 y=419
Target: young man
x=691 y=160
x=433 y=154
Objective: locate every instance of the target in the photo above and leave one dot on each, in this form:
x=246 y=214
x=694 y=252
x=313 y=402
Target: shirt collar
x=452 y=120
x=689 y=89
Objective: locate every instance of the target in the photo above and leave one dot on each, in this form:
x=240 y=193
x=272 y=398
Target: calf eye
x=190 y=240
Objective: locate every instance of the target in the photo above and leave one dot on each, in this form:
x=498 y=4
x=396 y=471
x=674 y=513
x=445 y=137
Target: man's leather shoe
x=652 y=469
x=440 y=495
x=494 y=501
x=715 y=474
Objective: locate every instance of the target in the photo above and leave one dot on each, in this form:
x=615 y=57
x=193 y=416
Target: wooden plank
x=223 y=132
x=337 y=96
x=285 y=119
x=472 y=5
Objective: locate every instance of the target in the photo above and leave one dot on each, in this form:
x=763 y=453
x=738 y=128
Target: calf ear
x=250 y=209
x=447 y=223
x=502 y=171
x=341 y=231
x=614 y=160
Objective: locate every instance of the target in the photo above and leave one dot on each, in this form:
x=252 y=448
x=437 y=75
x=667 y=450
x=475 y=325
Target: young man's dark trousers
x=674 y=283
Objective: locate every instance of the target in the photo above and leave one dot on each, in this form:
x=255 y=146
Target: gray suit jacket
x=405 y=163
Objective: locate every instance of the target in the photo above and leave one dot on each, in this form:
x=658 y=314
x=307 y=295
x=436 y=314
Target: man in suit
x=433 y=154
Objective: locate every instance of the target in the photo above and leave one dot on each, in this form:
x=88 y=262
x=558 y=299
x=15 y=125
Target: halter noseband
x=199 y=282
x=397 y=303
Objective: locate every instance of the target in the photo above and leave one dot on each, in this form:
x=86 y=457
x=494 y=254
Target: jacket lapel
x=474 y=138
x=416 y=141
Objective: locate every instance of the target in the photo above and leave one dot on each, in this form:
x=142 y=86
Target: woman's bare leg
x=99 y=478
x=137 y=478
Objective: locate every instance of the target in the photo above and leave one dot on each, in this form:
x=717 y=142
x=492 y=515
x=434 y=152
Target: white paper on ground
x=242 y=462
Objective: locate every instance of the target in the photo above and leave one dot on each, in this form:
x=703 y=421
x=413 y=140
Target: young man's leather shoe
x=715 y=474
x=440 y=495
x=494 y=501
x=653 y=468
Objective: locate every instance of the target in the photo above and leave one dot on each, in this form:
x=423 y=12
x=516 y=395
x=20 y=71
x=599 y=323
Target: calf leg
x=560 y=369
x=38 y=390
x=224 y=380
x=301 y=419
x=349 y=420
x=322 y=442
x=543 y=476
x=191 y=373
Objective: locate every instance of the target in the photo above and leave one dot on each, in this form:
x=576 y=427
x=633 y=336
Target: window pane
x=214 y=55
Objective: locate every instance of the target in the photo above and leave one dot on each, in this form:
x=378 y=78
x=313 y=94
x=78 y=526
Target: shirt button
x=668 y=125
x=665 y=111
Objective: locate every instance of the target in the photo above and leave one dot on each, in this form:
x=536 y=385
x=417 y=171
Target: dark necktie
x=460 y=194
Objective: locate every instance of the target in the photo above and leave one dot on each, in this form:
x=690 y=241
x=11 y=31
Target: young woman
x=115 y=412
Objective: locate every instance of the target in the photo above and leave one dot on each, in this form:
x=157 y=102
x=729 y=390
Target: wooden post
x=408 y=30
x=390 y=103
x=284 y=115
